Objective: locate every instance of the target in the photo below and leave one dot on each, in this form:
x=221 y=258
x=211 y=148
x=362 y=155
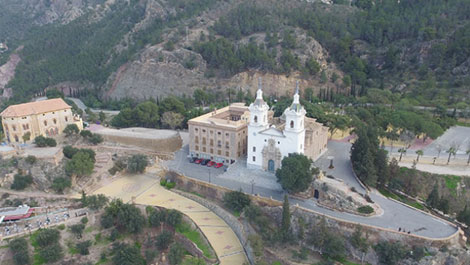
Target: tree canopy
x=296 y=173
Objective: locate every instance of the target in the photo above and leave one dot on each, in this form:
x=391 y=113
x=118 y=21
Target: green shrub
x=61 y=227
x=83 y=247
x=236 y=200
x=85 y=133
x=42 y=141
x=95 y=139
x=51 y=142
x=19 y=249
x=170 y=185
x=69 y=151
x=365 y=209
x=163 y=240
x=163 y=182
x=20 y=182
x=71 y=129
x=84 y=220
x=31 y=159
x=60 y=184
x=137 y=163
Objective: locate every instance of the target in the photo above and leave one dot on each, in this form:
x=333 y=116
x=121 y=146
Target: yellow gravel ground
x=146 y=190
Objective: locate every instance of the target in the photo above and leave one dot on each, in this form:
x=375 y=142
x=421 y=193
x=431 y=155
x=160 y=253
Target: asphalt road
x=395 y=214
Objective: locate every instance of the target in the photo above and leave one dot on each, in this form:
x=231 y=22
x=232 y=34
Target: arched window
x=55 y=121
x=254 y=148
x=256 y=118
x=292 y=124
x=45 y=123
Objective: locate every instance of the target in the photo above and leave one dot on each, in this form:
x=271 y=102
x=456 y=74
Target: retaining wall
x=168 y=144
x=376 y=234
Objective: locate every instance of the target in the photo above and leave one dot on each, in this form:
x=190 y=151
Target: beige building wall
x=47 y=124
x=316 y=139
x=220 y=135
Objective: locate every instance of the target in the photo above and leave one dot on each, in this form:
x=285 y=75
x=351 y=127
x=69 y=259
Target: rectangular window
x=254 y=158
x=196 y=140
x=219 y=144
x=212 y=142
x=227 y=153
x=197 y=148
x=203 y=140
x=203 y=149
x=212 y=151
x=219 y=152
x=226 y=144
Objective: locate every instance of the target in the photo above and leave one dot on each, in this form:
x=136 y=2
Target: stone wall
x=376 y=234
x=170 y=144
x=237 y=227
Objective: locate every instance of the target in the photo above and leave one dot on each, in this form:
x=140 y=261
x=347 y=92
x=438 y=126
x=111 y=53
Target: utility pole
x=252 y=185
x=209 y=176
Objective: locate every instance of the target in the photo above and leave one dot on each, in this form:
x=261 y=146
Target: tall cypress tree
x=433 y=198
x=285 y=226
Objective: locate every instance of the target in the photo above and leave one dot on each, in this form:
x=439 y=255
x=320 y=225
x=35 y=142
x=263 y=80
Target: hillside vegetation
x=419 y=49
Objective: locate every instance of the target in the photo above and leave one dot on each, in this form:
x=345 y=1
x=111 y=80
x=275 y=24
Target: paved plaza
x=146 y=190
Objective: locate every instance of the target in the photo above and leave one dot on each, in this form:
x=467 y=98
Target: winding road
x=395 y=216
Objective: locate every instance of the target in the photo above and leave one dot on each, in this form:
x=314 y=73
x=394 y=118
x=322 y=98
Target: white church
x=270 y=140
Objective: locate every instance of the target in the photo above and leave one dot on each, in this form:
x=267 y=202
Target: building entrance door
x=271 y=165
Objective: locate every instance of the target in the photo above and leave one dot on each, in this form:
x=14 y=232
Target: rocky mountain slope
x=137 y=63
x=154 y=48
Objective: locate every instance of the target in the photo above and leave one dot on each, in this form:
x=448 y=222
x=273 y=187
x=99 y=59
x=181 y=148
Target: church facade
x=269 y=141
x=238 y=131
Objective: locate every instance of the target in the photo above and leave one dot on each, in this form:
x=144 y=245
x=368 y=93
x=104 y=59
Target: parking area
x=182 y=165
x=457 y=137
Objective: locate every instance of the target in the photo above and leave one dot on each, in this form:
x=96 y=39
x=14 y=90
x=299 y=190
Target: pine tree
x=285 y=226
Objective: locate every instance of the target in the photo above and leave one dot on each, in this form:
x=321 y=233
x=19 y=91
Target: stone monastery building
x=46 y=118
x=237 y=131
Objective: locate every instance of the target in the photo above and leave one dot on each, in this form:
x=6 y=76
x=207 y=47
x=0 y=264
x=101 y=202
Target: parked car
x=198 y=161
x=211 y=163
x=204 y=162
x=218 y=165
x=192 y=159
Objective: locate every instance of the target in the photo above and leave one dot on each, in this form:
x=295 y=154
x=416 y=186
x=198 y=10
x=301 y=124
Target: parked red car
x=198 y=161
x=211 y=163
x=218 y=165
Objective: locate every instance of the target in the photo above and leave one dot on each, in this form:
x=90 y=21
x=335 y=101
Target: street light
x=209 y=175
x=252 y=185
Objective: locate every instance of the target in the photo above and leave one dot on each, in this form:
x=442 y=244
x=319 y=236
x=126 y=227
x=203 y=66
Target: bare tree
x=439 y=149
x=172 y=119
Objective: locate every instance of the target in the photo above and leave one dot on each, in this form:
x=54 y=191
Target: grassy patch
x=72 y=248
x=461 y=123
x=195 y=237
x=37 y=259
x=401 y=198
x=198 y=194
x=89 y=229
x=365 y=209
x=452 y=183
